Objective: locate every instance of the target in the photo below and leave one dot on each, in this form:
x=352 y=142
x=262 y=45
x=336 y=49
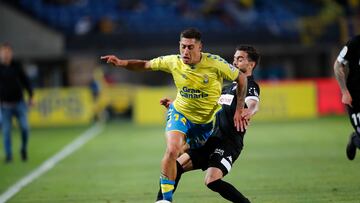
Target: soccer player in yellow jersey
x=198 y=77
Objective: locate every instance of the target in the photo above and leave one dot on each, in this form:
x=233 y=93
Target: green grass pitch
x=282 y=162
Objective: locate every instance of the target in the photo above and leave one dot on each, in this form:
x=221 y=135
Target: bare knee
x=213 y=174
x=172 y=152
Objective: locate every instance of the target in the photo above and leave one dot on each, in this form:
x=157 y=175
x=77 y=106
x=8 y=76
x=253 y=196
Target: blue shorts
x=196 y=134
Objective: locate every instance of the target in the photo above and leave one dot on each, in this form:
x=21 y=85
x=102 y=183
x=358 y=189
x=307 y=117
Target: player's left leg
x=354 y=139
x=183 y=164
x=220 y=163
x=213 y=181
x=7 y=113
x=21 y=115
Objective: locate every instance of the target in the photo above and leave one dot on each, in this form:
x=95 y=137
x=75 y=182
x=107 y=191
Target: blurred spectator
x=215 y=8
x=314 y=27
x=13 y=81
x=350 y=23
x=242 y=11
x=84 y=25
x=106 y=25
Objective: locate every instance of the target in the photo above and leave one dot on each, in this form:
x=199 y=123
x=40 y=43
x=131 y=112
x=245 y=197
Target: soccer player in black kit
x=347 y=73
x=224 y=146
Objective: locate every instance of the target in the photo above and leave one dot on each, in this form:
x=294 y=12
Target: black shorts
x=354 y=115
x=215 y=153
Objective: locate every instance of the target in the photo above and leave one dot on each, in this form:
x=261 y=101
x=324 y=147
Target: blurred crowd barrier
x=282 y=100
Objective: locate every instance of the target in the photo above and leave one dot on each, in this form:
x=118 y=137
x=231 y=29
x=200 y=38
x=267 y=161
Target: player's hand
x=346 y=98
x=239 y=123
x=114 y=60
x=246 y=116
x=165 y=102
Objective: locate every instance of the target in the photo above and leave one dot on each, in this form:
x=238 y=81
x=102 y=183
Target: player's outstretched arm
x=134 y=65
x=239 y=122
x=340 y=71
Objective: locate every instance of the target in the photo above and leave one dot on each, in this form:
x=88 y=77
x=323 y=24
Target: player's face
x=190 y=50
x=5 y=54
x=241 y=61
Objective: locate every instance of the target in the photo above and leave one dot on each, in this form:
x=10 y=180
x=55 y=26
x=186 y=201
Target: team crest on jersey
x=206 y=79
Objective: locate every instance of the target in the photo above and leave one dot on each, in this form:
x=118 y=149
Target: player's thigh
x=354 y=115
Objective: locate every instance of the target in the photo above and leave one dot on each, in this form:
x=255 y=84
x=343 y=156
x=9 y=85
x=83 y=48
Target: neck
x=198 y=60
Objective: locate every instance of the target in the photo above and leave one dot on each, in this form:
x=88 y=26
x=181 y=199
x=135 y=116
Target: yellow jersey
x=198 y=86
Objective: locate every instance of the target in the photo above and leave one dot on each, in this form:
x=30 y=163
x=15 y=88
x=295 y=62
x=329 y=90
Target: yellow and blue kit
x=198 y=90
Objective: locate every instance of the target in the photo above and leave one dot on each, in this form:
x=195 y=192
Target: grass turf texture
x=282 y=162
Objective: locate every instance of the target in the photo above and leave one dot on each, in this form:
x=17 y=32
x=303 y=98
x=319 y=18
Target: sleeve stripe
x=340 y=59
x=252 y=97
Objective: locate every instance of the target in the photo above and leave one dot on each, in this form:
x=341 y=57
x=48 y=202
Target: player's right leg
x=183 y=164
x=6 y=129
x=220 y=164
x=354 y=139
x=176 y=129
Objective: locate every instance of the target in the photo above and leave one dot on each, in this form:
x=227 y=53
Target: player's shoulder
x=355 y=40
x=170 y=57
x=213 y=58
x=252 y=81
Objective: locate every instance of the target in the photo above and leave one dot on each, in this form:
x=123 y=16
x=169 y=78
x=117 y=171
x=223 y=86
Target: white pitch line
x=50 y=163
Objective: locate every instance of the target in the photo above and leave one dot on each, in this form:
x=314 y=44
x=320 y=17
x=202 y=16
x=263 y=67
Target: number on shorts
x=356 y=118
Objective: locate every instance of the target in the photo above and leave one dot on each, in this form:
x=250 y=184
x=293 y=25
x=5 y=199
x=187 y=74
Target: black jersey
x=12 y=82
x=350 y=55
x=224 y=128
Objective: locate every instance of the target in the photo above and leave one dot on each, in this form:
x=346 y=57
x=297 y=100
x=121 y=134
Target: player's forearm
x=340 y=75
x=136 y=65
x=241 y=91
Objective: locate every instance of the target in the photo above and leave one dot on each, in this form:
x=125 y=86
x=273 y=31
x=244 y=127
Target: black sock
x=227 y=191
x=179 y=172
x=356 y=140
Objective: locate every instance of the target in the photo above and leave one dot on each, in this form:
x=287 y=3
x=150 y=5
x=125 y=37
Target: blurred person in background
x=13 y=81
x=224 y=146
x=198 y=77
x=347 y=73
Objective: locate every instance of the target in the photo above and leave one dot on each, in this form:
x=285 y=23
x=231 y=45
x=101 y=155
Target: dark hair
x=5 y=44
x=191 y=33
x=253 y=55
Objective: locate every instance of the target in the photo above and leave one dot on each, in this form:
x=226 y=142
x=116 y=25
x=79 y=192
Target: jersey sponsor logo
x=226 y=99
x=219 y=151
x=229 y=158
x=192 y=93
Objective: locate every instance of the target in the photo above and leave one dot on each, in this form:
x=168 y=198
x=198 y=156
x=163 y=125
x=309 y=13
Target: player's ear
x=252 y=64
x=200 y=46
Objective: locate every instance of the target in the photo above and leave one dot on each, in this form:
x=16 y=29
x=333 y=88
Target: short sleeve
x=163 y=63
x=348 y=52
x=228 y=71
x=253 y=91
